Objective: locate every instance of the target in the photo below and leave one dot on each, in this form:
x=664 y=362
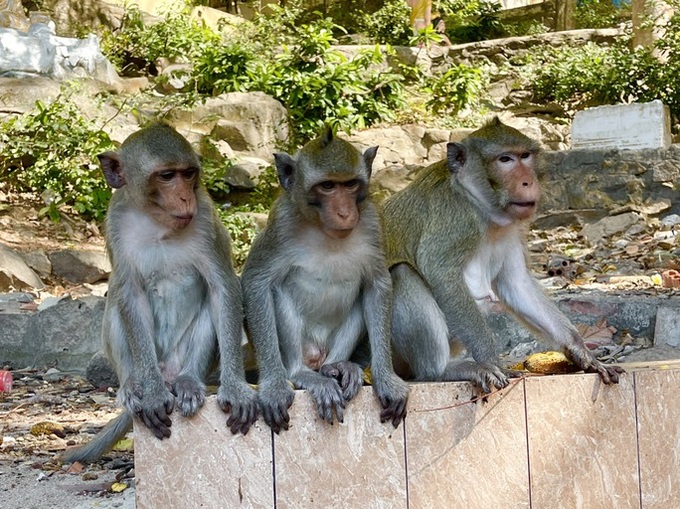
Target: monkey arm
x=517 y=289
x=143 y=392
x=234 y=395
x=274 y=394
x=392 y=391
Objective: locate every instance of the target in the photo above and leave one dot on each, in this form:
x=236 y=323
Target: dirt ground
x=45 y=413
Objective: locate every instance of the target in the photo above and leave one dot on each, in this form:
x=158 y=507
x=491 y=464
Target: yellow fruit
x=549 y=363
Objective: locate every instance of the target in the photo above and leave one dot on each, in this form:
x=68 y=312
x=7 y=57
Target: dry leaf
x=48 y=428
x=118 y=487
x=598 y=334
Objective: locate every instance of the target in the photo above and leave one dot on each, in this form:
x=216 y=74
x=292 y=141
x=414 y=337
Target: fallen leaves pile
x=44 y=413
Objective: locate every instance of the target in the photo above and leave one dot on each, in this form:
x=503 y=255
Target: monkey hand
x=585 y=360
x=190 y=394
x=239 y=400
x=149 y=401
x=275 y=398
x=392 y=393
x=349 y=375
x=484 y=374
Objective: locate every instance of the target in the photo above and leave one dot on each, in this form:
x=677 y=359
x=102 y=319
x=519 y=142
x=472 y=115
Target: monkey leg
x=337 y=365
x=194 y=355
x=419 y=332
x=421 y=336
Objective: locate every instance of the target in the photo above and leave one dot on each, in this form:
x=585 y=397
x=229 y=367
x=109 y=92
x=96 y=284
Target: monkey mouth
x=182 y=220
x=522 y=209
x=523 y=204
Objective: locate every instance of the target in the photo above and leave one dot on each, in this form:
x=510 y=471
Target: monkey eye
x=328 y=185
x=166 y=175
x=352 y=184
x=526 y=155
x=505 y=159
x=190 y=173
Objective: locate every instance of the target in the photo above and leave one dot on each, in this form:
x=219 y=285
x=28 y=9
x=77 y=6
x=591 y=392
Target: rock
x=100 y=373
x=669 y=222
x=608 y=226
x=667 y=329
x=246 y=172
x=15 y=273
x=38 y=261
x=80 y=266
x=53 y=375
x=250 y=122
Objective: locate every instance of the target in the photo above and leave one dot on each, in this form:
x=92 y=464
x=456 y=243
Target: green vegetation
x=51 y=152
x=590 y=75
x=291 y=54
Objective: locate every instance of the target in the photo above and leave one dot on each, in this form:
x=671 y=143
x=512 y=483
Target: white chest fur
x=326 y=277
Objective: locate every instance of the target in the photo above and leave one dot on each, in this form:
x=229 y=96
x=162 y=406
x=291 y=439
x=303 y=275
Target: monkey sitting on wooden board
x=316 y=283
x=454 y=241
x=174 y=298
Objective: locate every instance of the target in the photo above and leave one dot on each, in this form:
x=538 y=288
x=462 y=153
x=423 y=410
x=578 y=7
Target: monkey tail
x=114 y=430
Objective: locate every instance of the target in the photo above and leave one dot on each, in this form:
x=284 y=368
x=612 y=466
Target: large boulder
x=15 y=273
x=250 y=122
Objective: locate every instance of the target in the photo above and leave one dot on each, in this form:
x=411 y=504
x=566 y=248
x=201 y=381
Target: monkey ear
x=455 y=156
x=285 y=167
x=112 y=168
x=369 y=157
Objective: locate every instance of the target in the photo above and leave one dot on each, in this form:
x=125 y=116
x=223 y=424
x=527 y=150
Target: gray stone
x=245 y=173
x=609 y=226
x=80 y=266
x=99 y=371
x=667 y=330
x=250 y=122
x=38 y=261
x=15 y=273
x=53 y=375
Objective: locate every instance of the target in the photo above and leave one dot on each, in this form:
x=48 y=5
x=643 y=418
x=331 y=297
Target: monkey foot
x=274 y=399
x=349 y=375
x=190 y=395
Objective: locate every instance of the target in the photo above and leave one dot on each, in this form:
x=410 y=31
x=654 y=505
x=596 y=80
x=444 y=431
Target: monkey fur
x=316 y=283
x=455 y=243
x=174 y=299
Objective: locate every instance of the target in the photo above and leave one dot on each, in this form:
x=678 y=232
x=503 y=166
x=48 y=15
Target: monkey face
x=337 y=203
x=173 y=196
x=515 y=180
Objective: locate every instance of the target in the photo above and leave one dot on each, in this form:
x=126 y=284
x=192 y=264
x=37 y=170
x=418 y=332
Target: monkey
x=174 y=299
x=316 y=283
x=455 y=244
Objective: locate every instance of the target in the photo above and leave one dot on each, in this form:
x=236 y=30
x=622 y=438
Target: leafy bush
x=389 y=24
x=600 y=13
x=315 y=83
x=51 y=151
x=139 y=44
x=592 y=75
x=459 y=87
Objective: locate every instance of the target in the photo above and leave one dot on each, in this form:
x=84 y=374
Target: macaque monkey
x=316 y=282
x=454 y=242
x=173 y=297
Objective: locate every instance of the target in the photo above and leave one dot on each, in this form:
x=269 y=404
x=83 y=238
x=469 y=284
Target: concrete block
x=451 y=441
x=622 y=126
x=203 y=465
x=357 y=463
x=582 y=437
x=667 y=328
x=658 y=410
